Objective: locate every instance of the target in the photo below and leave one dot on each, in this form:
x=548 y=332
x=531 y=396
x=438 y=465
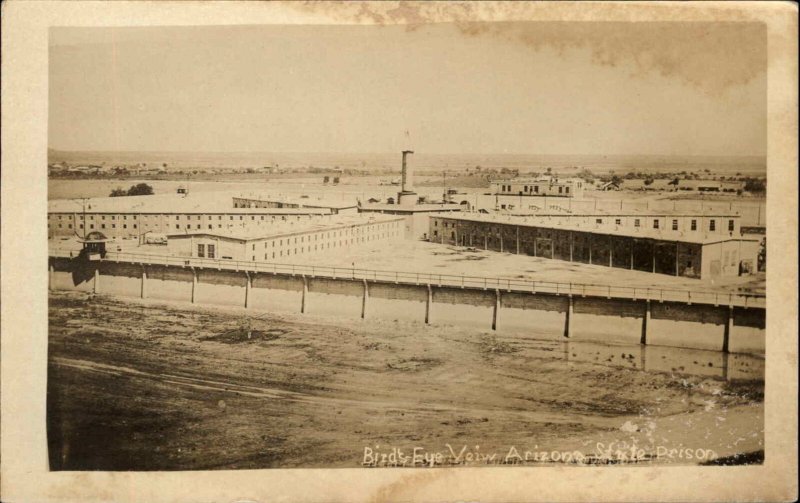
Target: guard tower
x=407 y=196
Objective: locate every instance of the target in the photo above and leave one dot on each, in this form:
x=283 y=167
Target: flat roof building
x=695 y=246
x=536 y=187
x=282 y=242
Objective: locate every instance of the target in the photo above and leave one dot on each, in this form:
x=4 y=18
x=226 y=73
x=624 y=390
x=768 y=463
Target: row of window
x=712 y=224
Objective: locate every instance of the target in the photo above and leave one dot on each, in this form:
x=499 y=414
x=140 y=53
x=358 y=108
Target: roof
x=196 y=202
x=417 y=208
x=638 y=232
x=282 y=229
x=315 y=201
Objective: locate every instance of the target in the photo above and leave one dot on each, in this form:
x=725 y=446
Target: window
x=730 y=225
x=598 y=221
x=212 y=251
x=560 y=189
x=91 y=226
x=177 y=217
x=177 y=226
x=694 y=225
x=655 y=224
x=618 y=221
x=674 y=225
x=636 y=222
x=566 y=189
x=536 y=188
x=201 y=250
x=712 y=225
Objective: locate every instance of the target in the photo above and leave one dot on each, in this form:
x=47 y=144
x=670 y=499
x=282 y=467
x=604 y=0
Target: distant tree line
x=140 y=189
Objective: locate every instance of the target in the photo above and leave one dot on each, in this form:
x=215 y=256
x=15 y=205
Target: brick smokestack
x=408 y=174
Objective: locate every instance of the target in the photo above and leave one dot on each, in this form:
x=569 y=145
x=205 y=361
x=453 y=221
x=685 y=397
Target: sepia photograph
x=374 y=246
x=391 y=242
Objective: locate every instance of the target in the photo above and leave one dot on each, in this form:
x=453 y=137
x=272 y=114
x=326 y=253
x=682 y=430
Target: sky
x=521 y=88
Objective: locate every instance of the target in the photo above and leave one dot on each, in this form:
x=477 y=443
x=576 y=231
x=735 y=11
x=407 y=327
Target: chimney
x=408 y=176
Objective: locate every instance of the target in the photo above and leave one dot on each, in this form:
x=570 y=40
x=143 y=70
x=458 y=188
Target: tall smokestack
x=408 y=175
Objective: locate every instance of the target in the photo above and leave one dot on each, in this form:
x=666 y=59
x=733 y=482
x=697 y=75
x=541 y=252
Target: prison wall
x=536 y=315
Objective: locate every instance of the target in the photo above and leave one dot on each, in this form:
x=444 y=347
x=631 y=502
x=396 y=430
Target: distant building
x=543 y=186
x=612 y=185
x=333 y=206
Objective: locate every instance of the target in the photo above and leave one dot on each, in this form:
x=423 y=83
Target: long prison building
x=694 y=246
x=137 y=216
x=285 y=241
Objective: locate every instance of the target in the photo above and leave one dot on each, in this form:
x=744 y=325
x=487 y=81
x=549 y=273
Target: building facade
x=697 y=254
x=546 y=186
x=275 y=245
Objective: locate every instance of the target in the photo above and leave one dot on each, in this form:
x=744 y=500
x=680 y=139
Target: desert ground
x=147 y=385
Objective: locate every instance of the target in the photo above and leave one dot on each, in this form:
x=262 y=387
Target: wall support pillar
x=96 y=284
x=645 y=322
x=303 y=298
x=144 y=283
x=51 y=277
x=726 y=335
x=194 y=285
x=496 y=309
x=247 y=286
x=518 y=240
x=610 y=252
x=364 y=298
x=568 y=318
x=428 y=303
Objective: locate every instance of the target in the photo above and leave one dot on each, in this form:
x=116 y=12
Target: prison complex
x=695 y=246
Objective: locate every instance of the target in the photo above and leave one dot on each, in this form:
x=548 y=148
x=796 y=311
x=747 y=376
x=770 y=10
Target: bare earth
x=143 y=385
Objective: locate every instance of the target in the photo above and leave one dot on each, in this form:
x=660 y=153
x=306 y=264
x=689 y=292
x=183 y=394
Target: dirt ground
x=142 y=385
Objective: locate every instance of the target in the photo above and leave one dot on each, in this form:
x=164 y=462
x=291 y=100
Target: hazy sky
x=539 y=88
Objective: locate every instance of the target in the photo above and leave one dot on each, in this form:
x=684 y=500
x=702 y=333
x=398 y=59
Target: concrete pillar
x=654 y=257
x=428 y=303
x=568 y=318
x=677 y=254
x=51 y=277
x=610 y=251
x=96 y=284
x=303 y=298
x=571 y=244
x=485 y=242
x=517 y=240
x=632 y=246
x=364 y=298
x=645 y=322
x=501 y=243
x=496 y=309
x=726 y=336
x=590 y=248
x=535 y=251
x=194 y=285
x=144 y=283
x=247 y=286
